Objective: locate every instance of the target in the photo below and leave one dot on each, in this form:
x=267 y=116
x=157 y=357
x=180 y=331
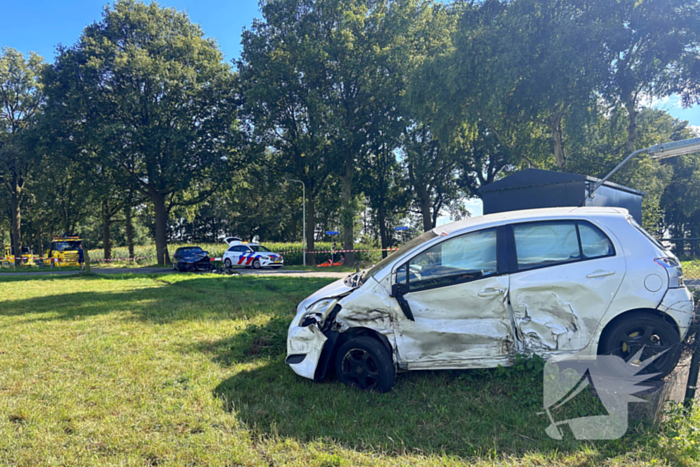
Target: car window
x=461 y=259
x=259 y=248
x=594 y=243
x=233 y=248
x=540 y=244
x=544 y=243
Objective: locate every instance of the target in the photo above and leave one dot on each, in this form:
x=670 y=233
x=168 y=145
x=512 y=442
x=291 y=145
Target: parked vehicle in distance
x=556 y=282
x=64 y=250
x=192 y=258
x=25 y=257
x=250 y=255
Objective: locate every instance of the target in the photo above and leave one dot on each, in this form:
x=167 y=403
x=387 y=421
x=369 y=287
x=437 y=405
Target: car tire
x=182 y=267
x=364 y=363
x=227 y=263
x=649 y=333
x=256 y=264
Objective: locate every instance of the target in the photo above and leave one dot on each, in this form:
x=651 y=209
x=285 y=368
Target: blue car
x=192 y=258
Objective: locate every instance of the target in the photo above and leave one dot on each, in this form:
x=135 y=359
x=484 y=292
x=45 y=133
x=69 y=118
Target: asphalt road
x=244 y=272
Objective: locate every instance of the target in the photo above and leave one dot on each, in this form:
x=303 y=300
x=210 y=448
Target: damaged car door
x=454 y=297
x=564 y=275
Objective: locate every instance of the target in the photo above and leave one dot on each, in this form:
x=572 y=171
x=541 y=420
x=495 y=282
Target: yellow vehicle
x=63 y=251
x=9 y=259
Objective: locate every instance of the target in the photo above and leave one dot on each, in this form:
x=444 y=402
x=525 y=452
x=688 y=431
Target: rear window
x=541 y=244
x=631 y=220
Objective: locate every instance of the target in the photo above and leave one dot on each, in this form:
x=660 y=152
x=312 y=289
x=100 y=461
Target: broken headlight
x=317 y=312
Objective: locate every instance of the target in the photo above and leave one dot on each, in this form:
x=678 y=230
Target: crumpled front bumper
x=270 y=262
x=304 y=348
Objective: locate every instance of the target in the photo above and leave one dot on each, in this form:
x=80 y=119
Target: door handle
x=491 y=292
x=600 y=273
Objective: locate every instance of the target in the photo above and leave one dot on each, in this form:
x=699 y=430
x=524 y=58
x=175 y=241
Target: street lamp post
x=659 y=151
x=303 y=221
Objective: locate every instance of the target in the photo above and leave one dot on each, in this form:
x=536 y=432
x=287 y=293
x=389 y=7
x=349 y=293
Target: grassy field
x=189 y=370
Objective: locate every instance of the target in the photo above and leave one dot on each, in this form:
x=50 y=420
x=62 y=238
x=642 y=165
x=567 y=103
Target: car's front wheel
x=227 y=263
x=638 y=338
x=364 y=363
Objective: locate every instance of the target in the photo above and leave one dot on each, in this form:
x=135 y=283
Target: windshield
x=427 y=236
x=194 y=249
x=259 y=248
x=64 y=246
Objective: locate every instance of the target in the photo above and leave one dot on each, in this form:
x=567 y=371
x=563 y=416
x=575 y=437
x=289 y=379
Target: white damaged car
x=556 y=282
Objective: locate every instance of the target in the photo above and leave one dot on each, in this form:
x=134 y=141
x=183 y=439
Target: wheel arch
x=630 y=314
x=337 y=339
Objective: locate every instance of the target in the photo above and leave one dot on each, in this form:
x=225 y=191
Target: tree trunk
x=106 y=237
x=348 y=214
x=310 y=228
x=632 y=126
x=16 y=222
x=129 y=230
x=554 y=123
x=381 y=218
x=424 y=200
x=161 y=228
x=40 y=234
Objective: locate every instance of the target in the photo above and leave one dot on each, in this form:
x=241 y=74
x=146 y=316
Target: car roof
x=525 y=215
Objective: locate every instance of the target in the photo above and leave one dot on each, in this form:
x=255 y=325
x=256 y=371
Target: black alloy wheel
x=651 y=337
x=365 y=363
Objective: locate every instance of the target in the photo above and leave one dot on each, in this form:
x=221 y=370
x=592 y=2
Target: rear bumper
x=678 y=304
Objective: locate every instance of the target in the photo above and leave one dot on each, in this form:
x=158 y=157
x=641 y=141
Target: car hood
x=192 y=256
x=335 y=289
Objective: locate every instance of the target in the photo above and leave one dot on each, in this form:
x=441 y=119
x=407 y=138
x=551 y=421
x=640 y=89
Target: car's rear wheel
x=257 y=264
x=650 y=336
x=227 y=263
x=364 y=363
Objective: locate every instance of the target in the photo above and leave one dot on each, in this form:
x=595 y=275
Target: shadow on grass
x=484 y=413
x=164 y=299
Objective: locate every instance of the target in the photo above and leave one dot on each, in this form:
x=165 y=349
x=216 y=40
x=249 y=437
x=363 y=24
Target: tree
x=152 y=97
x=283 y=102
x=557 y=50
x=21 y=98
x=646 y=44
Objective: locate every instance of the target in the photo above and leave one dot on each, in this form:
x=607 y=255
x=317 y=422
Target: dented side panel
x=559 y=308
x=455 y=325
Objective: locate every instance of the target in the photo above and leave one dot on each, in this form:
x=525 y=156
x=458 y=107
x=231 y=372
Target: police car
x=250 y=255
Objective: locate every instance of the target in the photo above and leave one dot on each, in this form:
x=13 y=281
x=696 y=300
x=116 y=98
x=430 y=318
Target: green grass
x=189 y=370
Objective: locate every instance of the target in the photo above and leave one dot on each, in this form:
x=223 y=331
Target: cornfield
x=292 y=252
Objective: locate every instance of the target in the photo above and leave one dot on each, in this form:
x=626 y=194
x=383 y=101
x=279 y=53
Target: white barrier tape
x=135 y=258
x=339 y=251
